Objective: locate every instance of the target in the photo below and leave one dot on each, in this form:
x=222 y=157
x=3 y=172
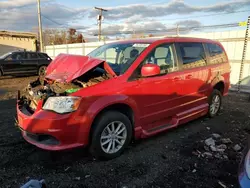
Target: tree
x=80 y=39
x=74 y=36
x=62 y=36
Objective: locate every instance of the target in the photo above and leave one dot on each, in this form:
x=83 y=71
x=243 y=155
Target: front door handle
x=177 y=78
x=189 y=76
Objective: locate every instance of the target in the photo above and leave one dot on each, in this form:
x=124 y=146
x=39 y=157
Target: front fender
x=102 y=102
x=98 y=104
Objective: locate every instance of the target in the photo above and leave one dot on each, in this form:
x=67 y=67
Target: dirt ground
x=166 y=160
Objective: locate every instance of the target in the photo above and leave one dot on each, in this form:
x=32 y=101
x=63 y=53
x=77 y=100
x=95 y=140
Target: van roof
x=167 y=39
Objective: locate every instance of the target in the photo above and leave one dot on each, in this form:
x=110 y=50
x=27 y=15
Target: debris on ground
x=198 y=153
x=87 y=176
x=216 y=136
x=210 y=142
x=222 y=184
x=226 y=141
x=225 y=157
x=216 y=147
x=237 y=147
x=217 y=156
x=35 y=184
x=66 y=169
x=78 y=178
x=195 y=165
x=208 y=155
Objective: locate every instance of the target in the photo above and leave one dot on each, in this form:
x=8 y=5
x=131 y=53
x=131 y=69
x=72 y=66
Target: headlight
x=62 y=104
x=247 y=164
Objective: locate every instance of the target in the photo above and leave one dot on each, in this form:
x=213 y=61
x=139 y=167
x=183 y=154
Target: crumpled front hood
x=65 y=67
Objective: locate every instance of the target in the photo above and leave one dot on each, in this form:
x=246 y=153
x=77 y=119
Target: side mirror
x=150 y=70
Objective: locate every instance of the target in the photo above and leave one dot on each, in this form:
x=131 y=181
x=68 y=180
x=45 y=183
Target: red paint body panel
x=158 y=103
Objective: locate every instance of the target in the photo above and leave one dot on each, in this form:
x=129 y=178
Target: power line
x=65 y=27
x=55 y=22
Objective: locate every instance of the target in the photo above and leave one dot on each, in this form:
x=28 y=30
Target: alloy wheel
x=215 y=104
x=42 y=71
x=113 y=137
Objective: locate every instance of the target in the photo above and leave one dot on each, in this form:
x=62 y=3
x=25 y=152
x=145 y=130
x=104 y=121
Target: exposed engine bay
x=43 y=88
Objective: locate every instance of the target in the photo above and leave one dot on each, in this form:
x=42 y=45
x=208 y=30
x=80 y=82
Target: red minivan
x=122 y=91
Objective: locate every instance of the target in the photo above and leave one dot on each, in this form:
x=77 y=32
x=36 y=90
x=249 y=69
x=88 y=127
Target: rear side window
x=31 y=55
x=192 y=54
x=214 y=49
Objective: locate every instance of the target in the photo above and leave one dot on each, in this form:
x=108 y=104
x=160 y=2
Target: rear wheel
x=111 y=134
x=42 y=71
x=215 y=101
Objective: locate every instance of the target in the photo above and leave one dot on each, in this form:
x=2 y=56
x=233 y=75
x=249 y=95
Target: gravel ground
x=166 y=160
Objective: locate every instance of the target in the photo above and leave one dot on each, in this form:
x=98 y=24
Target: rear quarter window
x=214 y=49
x=216 y=53
x=43 y=56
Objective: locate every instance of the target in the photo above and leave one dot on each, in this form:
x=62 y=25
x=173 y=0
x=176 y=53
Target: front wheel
x=42 y=71
x=111 y=134
x=215 y=101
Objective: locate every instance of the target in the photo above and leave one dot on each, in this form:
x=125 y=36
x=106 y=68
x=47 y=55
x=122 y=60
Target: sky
x=149 y=16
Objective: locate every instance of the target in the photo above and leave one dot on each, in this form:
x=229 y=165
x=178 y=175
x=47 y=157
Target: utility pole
x=99 y=19
x=40 y=25
x=177 y=30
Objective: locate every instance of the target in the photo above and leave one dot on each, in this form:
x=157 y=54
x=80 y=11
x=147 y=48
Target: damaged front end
x=56 y=84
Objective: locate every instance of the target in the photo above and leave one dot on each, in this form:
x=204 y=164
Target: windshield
x=119 y=56
x=5 y=55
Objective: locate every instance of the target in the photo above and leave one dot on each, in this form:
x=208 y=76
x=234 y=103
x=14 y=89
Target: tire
x=1 y=74
x=107 y=151
x=214 y=101
x=41 y=71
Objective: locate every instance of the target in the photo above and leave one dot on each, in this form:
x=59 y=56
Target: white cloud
x=130 y=28
x=173 y=7
x=23 y=18
x=189 y=23
x=8 y=4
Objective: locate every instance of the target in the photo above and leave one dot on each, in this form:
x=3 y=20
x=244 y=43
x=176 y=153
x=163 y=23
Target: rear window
x=214 y=49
